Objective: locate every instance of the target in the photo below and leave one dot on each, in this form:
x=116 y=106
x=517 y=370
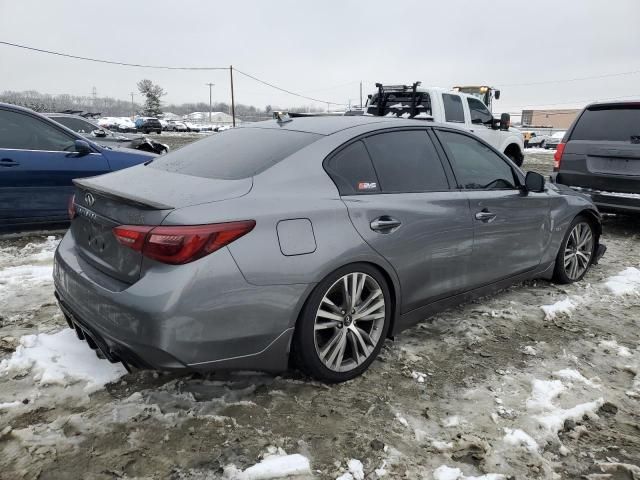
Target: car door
x=37 y=164
x=511 y=226
x=481 y=121
x=399 y=199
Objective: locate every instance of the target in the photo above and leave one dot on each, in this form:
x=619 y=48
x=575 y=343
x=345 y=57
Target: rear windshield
x=236 y=153
x=616 y=124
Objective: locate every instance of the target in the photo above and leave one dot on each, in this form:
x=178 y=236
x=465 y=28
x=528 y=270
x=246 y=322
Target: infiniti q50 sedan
x=308 y=241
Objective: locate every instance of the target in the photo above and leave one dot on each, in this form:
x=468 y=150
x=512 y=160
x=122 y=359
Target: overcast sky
x=324 y=48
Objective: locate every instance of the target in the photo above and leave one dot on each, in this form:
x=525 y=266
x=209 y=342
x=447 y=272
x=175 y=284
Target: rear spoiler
x=87 y=184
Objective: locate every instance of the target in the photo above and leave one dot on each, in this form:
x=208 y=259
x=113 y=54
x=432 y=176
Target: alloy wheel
x=578 y=250
x=349 y=322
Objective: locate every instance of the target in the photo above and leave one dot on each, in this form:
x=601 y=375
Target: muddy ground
x=491 y=387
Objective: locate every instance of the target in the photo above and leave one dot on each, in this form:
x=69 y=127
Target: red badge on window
x=367 y=185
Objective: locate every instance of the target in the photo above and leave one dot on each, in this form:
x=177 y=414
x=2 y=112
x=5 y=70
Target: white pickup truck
x=448 y=106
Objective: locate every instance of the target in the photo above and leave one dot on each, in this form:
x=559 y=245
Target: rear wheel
x=576 y=251
x=343 y=324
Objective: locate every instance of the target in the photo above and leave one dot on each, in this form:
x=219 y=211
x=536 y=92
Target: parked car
x=538 y=140
x=38 y=160
x=192 y=127
x=148 y=125
x=451 y=107
x=103 y=136
x=118 y=124
x=176 y=126
x=315 y=236
x=600 y=156
x=553 y=141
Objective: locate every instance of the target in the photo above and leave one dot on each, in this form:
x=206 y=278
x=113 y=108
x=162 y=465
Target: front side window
x=352 y=171
x=453 y=110
x=19 y=131
x=479 y=112
x=476 y=166
x=406 y=161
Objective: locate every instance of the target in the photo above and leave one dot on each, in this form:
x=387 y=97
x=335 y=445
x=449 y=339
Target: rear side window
x=406 y=161
x=352 y=171
x=453 y=110
x=234 y=154
x=476 y=166
x=616 y=124
x=479 y=112
x=75 y=124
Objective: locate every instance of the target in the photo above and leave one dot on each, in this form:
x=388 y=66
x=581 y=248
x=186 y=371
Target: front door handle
x=384 y=224
x=485 y=216
x=7 y=162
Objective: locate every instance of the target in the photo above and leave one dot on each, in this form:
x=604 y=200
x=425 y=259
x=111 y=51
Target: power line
x=162 y=67
x=567 y=80
x=285 y=90
x=97 y=60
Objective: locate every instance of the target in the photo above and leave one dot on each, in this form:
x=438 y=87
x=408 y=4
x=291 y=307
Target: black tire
x=560 y=274
x=304 y=352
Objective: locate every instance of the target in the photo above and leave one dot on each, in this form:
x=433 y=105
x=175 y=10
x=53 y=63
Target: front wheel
x=576 y=251
x=343 y=324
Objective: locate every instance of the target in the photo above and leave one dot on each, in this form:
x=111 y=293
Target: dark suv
x=600 y=156
x=148 y=125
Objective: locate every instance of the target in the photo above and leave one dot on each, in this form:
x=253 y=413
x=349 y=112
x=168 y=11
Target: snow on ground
x=274 y=465
x=565 y=306
x=626 y=282
x=60 y=359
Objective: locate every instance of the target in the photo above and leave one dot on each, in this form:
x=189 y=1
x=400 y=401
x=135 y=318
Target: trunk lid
x=136 y=196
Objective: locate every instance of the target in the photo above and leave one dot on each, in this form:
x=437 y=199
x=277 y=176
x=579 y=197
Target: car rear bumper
x=612 y=201
x=173 y=321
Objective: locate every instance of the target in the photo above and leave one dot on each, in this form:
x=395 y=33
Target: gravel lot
x=499 y=386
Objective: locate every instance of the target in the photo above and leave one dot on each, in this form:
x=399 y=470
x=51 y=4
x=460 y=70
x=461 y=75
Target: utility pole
x=94 y=93
x=360 y=93
x=133 y=108
x=233 y=102
x=210 y=104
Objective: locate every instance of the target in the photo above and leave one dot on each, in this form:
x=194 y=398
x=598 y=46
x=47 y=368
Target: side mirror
x=505 y=121
x=99 y=132
x=496 y=94
x=534 y=182
x=82 y=147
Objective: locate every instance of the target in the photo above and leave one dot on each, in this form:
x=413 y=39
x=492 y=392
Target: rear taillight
x=557 y=157
x=181 y=244
x=71 y=207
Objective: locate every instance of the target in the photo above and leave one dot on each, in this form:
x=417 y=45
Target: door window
x=476 y=166
x=479 y=112
x=19 y=131
x=453 y=110
x=352 y=171
x=76 y=124
x=406 y=161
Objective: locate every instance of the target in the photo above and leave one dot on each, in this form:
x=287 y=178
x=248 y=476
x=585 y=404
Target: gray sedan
x=309 y=240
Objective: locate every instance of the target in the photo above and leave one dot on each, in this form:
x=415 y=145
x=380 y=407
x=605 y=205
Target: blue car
x=39 y=158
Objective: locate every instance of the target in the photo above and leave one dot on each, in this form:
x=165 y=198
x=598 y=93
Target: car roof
x=613 y=103
x=328 y=125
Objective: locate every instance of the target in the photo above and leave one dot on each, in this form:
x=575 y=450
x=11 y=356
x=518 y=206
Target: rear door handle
x=485 y=216
x=384 y=224
x=7 y=162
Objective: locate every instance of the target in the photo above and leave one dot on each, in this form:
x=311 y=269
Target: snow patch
x=418 y=376
x=520 y=438
x=356 y=469
x=277 y=465
x=565 y=307
x=542 y=394
x=613 y=345
x=575 y=376
x=60 y=359
x=447 y=473
x=625 y=283
x=6 y=405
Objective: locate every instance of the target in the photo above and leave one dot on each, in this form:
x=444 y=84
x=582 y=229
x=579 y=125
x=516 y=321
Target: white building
x=218 y=118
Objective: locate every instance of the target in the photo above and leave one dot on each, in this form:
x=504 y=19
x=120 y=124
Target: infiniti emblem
x=89 y=199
